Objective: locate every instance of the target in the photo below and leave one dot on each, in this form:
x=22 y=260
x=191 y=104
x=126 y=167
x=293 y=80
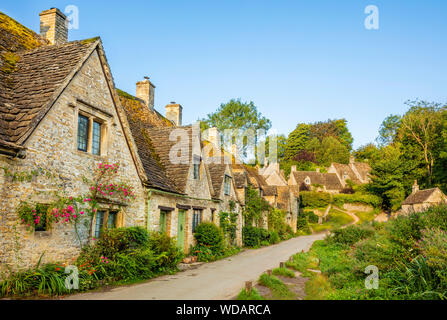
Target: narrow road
x=220 y=280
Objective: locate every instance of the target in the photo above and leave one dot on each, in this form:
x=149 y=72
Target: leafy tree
x=422 y=125
x=387 y=179
x=255 y=207
x=368 y=153
x=388 y=130
x=332 y=150
x=332 y=128
x=297 y=141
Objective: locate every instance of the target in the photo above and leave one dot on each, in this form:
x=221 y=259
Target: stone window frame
x=94 y=114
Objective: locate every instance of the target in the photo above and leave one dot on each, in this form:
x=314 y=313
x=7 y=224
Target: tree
x=240 y=116
x=369 y=153
x=388 y=130
x=422 y=125
x=387 y=177
x=281 y=142
x=297 y=140
x=332 y=150
x=332 y=128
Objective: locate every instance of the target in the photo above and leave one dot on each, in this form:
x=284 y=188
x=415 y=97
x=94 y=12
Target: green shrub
x=350 y=235
x=167 y=254
x=209 y=235
x=366 y=199
x=312 y=217
x=251 y=236
x=274 y=237
x=279 y=290
x=252 y=295
x=312 y=199
x=117 y=240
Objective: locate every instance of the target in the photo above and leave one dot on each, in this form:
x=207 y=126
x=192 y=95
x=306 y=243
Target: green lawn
x=335 y=219
x=365 y=216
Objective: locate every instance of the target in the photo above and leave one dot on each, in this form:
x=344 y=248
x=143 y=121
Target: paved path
x=219 y=280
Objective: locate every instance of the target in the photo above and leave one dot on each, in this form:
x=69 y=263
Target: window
x=307 y=181
x=196 y=219
x=99 y=223
x=196 y=164
x=227 y=185
x=83 y=128
x=213 y=214
x=91 y=132
x=96 y=138
x=105 y=218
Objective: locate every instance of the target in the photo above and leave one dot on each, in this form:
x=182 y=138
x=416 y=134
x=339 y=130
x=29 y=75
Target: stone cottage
x=420 y=200
x=182 y=189
x=357 y=172
x=59 y=117
x=315 y=181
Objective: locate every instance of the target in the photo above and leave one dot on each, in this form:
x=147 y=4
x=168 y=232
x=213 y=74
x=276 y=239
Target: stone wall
x=53 y=146
x=357 y=207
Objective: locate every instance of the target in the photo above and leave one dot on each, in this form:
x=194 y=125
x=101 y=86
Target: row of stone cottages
x=60 y=115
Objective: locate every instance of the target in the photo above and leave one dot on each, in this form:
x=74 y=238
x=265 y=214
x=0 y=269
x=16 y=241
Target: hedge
x=312 y=199
x=366 y=199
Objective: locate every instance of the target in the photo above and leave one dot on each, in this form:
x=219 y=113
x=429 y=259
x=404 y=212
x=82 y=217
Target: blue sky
x=299 y=61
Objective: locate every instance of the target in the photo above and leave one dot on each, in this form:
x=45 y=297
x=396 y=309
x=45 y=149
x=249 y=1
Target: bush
x=113 y=241
x=209 y=235
x=274 y=237
x=312 y=199
x=366 y=199
x=350 y=235
x=312 y=217
x=251 y=236
x=167 y=254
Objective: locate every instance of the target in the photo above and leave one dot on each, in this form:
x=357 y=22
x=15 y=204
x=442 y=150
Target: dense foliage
x=410 y=253
x=120 y=256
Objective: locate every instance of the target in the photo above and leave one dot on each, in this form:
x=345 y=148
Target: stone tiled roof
x=141 y=121
x=420 y=196
x=217 y=174
x=329 y=180
x=343 y=169
x=269 y=191
x=240 y=179
x=283 y=201
x=32 y=75
x=363 y=169
x=162 y=145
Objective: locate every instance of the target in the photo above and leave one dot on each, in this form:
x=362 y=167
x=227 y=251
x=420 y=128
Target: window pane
x=96 y=138
x=82 y=133
x=99 y=223
x=111 y=220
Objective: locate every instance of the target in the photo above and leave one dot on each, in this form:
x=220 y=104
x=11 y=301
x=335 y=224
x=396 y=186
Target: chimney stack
x=351 y=159
x=293 y=168
x=146 y=92
x=174 y=113
x=54 y=26
x=214 y=137
x=317 y=170
x=415 y=186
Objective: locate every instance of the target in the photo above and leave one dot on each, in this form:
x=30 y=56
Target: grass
x=285 y=272
x=252 y=295
x=365 y=216
x=280 y=291
x=334 y=220
x=318 y=288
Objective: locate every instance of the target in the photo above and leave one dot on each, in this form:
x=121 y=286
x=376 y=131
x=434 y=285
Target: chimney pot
x=146 y=92
x=54 y=26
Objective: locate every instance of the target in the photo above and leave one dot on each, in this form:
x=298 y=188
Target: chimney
x=351 y=159
x=293 y=168
x=214 y=137
x=317 y=170
x=54 y=26
x=174 y=113
x=415 y=186
x=146 y=92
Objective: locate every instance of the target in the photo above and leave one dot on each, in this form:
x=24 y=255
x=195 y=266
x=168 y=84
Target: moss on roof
x=10 y=60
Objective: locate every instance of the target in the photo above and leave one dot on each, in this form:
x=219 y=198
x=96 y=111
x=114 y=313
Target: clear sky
x=299 y=61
